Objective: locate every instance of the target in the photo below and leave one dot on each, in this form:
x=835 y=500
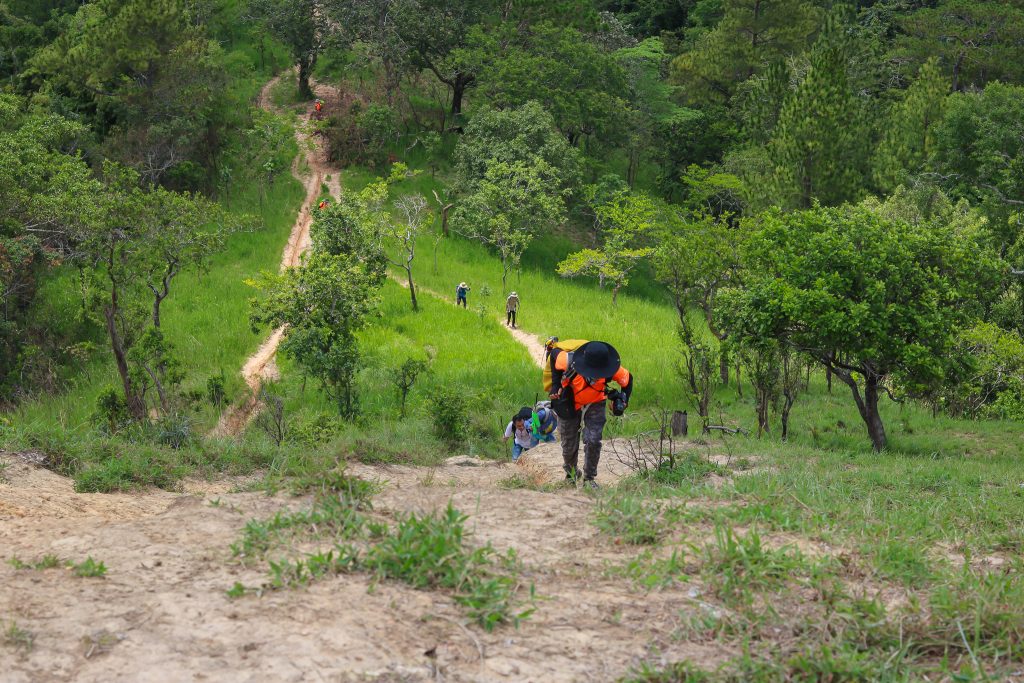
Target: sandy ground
x=161 y=612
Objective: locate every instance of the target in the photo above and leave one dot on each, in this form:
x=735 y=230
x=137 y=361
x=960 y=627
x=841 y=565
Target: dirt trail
x=161 y=612
x=261 y=366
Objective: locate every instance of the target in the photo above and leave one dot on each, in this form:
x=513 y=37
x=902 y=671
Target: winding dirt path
x=261 y=366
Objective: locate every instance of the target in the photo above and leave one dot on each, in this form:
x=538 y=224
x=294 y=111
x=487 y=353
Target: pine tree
x=820 y=142
x=909 y=136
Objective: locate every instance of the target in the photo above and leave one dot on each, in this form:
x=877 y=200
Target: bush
x=111 y=411
x=319 y=430
x=216 y=391
x=448 y=415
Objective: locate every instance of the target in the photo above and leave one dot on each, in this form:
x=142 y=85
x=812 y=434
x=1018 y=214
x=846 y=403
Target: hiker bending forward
x=582 y=376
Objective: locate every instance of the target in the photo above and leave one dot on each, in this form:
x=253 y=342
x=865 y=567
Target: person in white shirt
x=519 y=430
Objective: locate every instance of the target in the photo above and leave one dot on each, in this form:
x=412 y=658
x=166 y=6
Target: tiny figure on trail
x=511 y=309
x=460 y=294
x=519 y=430
x=578 y=391
x=323 y=204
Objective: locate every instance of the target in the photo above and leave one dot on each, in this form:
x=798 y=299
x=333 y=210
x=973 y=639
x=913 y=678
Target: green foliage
x=405 y=376
x=517 y=172
x=817 y=146
x=987 y=35
x=629 y=518
x=430 y=551
x=147 y=75
x=749 y=36
x=90 y=568
x=323 y=303
x=993 y=383
x=980 y=149
x=626 y=220
x=216 y=392
x=909 y=138
x=866 y=293
x=556 y=67
x=448 y=407
x=297 y=24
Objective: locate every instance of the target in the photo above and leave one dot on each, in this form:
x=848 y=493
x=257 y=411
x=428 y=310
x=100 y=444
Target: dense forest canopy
x=658 y=132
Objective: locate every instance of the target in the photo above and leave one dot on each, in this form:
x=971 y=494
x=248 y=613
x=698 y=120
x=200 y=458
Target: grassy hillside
x=643 y=329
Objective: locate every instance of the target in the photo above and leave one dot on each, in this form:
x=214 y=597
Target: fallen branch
x=727 y=430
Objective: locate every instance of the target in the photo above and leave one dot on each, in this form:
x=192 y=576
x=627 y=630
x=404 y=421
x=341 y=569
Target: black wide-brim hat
x=596 y=359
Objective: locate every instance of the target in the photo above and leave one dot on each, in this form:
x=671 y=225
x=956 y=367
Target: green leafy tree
x=132 y=243
x=874 y=298
x=976 y=42
x=147 y=77
x=580 y=85
x=908 y=141
x=41 y=180
x=355 y=226
x=696 y=257
x=301 y=26
x=818 y=147
x=750 y=35
x=517 y=171
x=625 y=222
x=321 y=306
x=980 y=153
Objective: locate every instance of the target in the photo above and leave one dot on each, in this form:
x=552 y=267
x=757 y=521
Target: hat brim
x=596 y=372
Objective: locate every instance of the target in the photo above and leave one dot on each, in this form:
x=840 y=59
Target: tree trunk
x=787 y=405
x=305 y=67
x=136 y=406
x=412 y=292
x=876 y=430
x=828 y=378
x=615 y=295
x=739 y=380
x=723 y=368
x=868 y=407
x=459 y=85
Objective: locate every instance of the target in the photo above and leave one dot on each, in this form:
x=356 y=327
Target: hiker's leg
x=593 y=431
x=517 y=450
x=571 y=444
x=514 y=318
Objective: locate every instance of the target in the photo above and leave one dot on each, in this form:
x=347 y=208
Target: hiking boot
x=590 y=485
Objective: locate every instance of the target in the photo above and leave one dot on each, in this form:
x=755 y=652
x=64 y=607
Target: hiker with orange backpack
x=578 y=391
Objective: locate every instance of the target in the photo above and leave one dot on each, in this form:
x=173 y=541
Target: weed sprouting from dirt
x=20 y=639
x=423 y=551
x=629 y=518
x=429 y=551
x=90 y=568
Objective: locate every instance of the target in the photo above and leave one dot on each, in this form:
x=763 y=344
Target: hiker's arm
x=556 y=374
x=508 y=433
x=624 y=380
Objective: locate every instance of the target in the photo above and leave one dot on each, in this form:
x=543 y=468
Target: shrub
x=111 y=411
x=216 y=391
x=448 y=414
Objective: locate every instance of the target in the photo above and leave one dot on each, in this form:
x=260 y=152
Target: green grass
x=90 y=568
x=428 y=551
x=474 y=357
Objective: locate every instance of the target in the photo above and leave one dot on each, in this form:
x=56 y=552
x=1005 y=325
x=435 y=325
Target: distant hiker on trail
x=460 y=294
x=318 y=109
x=578 y=390
x=323 y=204
x=511 y=308
x=519 y=429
